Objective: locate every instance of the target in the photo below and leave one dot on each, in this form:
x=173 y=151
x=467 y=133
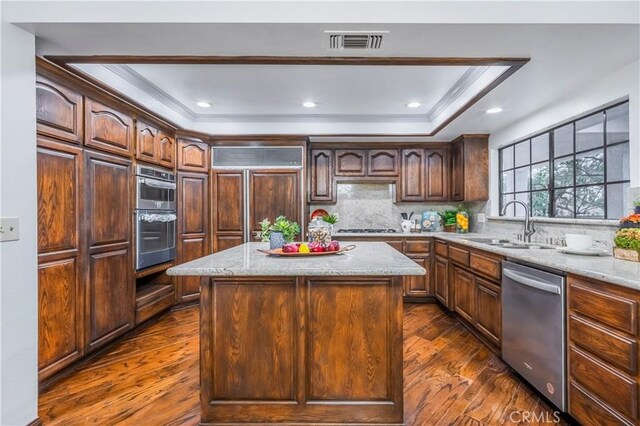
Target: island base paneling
x=319 y=350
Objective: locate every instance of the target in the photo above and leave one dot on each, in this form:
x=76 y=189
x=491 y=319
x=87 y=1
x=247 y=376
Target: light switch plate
x=9 y=229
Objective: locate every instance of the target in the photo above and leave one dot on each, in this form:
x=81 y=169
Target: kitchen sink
x=490 y=241
x=523 y=246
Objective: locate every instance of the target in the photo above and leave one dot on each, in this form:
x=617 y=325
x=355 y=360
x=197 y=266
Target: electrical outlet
x=482 y=218
x=9 y=229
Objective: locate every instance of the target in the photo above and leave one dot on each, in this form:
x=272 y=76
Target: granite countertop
x=368 y=258
x=604 y=268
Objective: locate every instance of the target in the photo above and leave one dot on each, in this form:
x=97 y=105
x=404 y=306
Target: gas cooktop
x=367 y=230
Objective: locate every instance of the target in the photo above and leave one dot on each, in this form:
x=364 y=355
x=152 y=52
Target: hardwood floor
x=151 y=378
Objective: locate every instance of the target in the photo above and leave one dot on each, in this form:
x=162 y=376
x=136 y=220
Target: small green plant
x=331 y=219
x=288 y=228
x=448 y=217
x=628 y=239
x=636 y=202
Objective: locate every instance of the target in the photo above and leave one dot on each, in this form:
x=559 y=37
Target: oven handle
x=153 y=217
x=158 y=183
x=549 y=288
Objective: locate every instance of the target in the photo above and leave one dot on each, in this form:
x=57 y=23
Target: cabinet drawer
x=605 y=344
x=617 y=390
x=609 y=309
x=459 y=255
x=441 y=248
x=589 y=410
x=489 y=266
x=417 y=247
x=147 y=311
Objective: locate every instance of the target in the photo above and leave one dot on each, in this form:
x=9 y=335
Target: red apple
x=334 y=246
x=290 y=248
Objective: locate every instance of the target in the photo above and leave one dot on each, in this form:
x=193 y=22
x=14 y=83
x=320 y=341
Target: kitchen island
x=301 y=340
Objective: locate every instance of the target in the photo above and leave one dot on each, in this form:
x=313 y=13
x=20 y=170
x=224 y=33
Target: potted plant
x=636 y=205
x=449 y=220
x=627 y=243
x=631 y=221
x=279 y=232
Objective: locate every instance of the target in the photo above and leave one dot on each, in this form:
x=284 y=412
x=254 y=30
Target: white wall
x=18 y=262
x=622 y=83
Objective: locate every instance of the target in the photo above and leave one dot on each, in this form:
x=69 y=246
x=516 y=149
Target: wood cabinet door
x=273 y=193
x=110 y=288
x=464 y=294
x=166 y=150
x=441 y=277
x=437 y=169
x=382 y=162
x=457 y=172
x=58 y=111
x=321 y=176
x=146 y=143
x=107 y=129
x=60 y=290
x=488 y=319
x=193 y=228
x=350 y=162
x=418 y=285
x=228 y=209
x=193 y=156
x=412 y=177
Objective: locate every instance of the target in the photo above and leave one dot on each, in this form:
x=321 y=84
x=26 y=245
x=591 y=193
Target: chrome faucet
x=529 y=229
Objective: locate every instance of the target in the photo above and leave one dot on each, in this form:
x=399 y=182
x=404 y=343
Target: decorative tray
x=279 y=252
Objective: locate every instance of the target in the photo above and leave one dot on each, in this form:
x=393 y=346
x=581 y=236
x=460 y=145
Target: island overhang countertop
x=366 y=259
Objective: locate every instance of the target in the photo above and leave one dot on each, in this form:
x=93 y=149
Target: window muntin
x=578 y=169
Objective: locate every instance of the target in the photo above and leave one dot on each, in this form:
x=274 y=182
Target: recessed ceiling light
x=308 y=104
x=203 y=104
x=413 y=104
x=494 y=110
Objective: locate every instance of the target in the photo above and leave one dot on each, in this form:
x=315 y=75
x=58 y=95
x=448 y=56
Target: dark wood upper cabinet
x=437 y=168
x=58 y=111
x=321 y=176
x=146 y=142
x=412 y=179
x=193 y=156
x=166 y=150
x=382 y=162
x=470 y=168
x=350 y=162
x=110 y=283
x=273 y=193
x=107 y=129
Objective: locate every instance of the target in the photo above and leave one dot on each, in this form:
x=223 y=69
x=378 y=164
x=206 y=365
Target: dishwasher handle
x=549 y=288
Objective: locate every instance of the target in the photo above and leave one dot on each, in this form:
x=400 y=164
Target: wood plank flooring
x=152 y=378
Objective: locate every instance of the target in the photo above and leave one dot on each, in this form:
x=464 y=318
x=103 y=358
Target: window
x=578 y=169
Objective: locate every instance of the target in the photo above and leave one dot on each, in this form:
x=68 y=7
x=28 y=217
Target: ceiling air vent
x=355 y=40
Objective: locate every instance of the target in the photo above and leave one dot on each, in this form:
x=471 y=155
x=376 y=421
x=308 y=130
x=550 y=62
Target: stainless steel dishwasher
x=533 y=329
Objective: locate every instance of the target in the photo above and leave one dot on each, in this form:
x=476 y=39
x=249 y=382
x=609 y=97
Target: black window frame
x=551 y=188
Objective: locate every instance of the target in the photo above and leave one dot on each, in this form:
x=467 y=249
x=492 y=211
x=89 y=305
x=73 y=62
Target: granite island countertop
x=367 y=259
x=605 y=268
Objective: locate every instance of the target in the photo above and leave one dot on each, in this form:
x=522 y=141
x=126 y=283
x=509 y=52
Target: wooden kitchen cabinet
x=146 y=143
x=488 y=312
x=273 y=193
x=603 y=335
x=193 y=156
x=60 y=286
x=469 y=177
x=59 y=111
x=382 y=162
x=228 y=209
x=350 y=162
x=107 y=129
x=441 y=281
x=419 y=285
x=193 y=228
x=437 y=179
x=321 y=188
x=464 y=294
x=110 y=285
x=166 y=150
x=412 y=175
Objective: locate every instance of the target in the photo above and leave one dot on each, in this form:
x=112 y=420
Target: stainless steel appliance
x=155 y=189
x=533 y=328
x=155 y=216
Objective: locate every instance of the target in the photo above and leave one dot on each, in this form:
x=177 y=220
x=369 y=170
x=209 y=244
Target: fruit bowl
x=309 y=252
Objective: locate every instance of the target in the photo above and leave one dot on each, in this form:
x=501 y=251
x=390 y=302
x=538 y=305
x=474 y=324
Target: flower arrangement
x=449 y=220
x=628 y=239
x=289 y=229
x=631 y=221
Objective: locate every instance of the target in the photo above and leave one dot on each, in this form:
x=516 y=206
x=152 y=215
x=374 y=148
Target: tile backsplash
x=371 y=205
